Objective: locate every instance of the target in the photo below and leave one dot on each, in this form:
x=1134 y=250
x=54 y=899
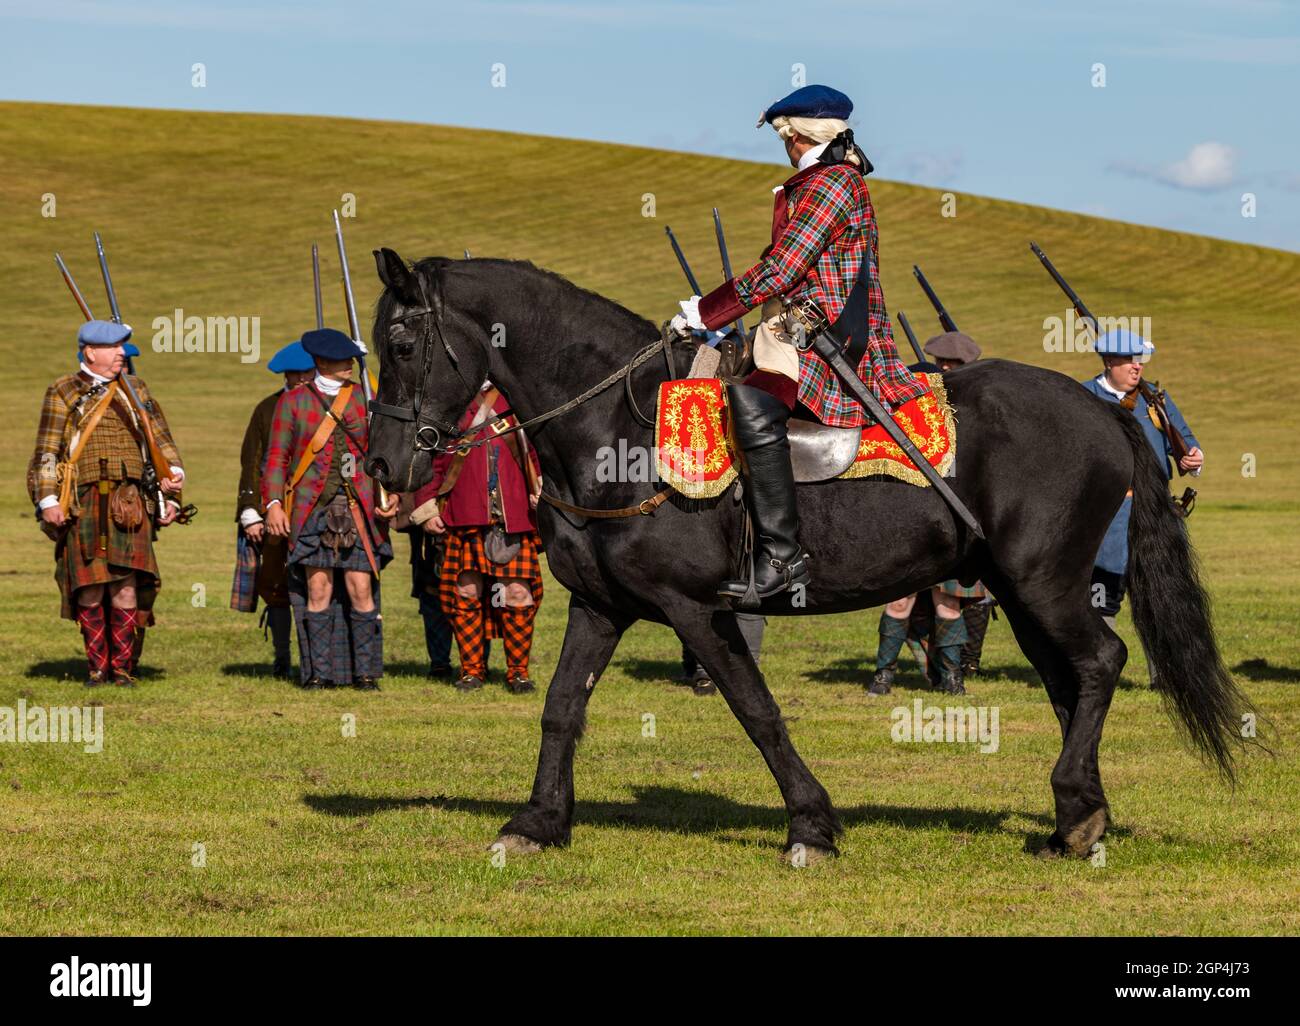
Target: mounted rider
x=824 y=250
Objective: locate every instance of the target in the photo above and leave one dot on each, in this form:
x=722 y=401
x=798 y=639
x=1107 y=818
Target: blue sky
x=994 y=97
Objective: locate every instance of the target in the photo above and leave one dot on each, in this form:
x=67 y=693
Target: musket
x=1151 y=392
x=315 y=277
x=1070 y=294
x=907 y=329
x=72 y=287
x=945 y=318
x=726 y=261
x=686 y=268
x=355 y=328
x=157 y=466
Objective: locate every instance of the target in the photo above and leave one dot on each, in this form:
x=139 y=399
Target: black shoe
x=313 y=683
x=367 y=684
x=443 y=672
x=970 y=669
x=123 y=679
x=281 y=669
x=780 y=563
x=469 y=683
x=95 y=678
x=520 y=685
x=950 y=681
x=882 y=682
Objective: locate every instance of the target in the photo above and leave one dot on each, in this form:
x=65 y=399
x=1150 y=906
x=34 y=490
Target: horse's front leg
x=589 y=641
x=716 y=639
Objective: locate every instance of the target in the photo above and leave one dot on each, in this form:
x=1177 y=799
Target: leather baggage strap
x=91 y=422
x=333 y=419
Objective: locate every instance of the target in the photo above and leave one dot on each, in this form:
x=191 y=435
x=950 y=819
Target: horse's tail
x=1172 y=612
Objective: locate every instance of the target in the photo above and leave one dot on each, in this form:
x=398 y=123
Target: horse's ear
x=394 y=273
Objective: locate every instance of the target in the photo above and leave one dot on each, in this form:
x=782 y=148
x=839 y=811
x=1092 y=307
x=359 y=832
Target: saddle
x=818 y=452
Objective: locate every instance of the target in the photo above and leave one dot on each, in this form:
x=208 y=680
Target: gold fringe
x=905 y=471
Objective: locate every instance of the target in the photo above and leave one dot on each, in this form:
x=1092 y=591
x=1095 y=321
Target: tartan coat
x=823 y=228
x=55 y=431
x=468 y=503
x=298 y=413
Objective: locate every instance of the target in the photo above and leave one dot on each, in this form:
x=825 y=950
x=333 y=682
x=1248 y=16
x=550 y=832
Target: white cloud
x=1207 y=166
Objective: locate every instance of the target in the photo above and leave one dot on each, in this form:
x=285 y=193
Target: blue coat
x=1113 y=554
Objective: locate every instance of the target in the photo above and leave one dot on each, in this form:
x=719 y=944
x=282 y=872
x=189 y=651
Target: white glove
x=677 y=324
x=691 y=311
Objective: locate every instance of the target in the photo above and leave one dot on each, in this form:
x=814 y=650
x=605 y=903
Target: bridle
x=431 y=328
x=449 y=438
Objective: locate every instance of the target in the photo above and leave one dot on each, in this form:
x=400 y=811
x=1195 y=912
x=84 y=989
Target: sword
x=315 y=275
x=828 y=347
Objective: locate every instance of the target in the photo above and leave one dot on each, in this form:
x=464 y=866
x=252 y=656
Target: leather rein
x=449 y=438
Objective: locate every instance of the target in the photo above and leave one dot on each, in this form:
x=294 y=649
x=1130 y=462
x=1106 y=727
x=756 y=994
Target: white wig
x=819 y=130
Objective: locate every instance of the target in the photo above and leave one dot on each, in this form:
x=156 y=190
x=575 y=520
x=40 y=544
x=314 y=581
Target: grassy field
x=304 y=830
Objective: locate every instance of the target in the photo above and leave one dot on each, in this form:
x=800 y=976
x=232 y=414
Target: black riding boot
x=758 y=422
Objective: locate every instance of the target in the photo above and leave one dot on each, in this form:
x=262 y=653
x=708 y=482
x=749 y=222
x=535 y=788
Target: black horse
x=1043 y=464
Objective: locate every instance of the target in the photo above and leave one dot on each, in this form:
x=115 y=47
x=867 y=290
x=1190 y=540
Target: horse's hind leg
x=1080 y=660
x=717 y=641
x=589 y=641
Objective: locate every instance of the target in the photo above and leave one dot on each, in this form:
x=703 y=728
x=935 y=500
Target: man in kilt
x=260 y=567
x=87 y=479
x=956 y=616
x=483 y=499
x=823 y=251
x=318 y=496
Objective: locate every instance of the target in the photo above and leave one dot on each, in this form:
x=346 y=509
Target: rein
x=455 y=441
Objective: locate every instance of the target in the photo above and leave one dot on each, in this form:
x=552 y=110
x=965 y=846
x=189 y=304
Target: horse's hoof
x=801 y=856
x=516 y=844
x=1078 y=842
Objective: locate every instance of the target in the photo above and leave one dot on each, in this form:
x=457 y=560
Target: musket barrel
x=726 y=261
x=108 y=280
x=1064 y=285
x=945 y=319
x=315 y=275
x=681 y=259
x=907 y=329
x=72 y=287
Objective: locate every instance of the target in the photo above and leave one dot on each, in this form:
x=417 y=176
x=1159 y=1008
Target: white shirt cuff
x=249 y=516
x=47 y=502
x=178 y=473
x=273 y=502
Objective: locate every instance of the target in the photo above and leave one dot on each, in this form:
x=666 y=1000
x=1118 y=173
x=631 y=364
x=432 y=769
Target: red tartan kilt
x=78 y=564
x=463 y=550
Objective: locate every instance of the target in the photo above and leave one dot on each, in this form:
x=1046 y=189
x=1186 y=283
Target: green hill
x=215 y=214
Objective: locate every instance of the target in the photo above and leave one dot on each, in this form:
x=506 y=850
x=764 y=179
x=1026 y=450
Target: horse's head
x=433 y=358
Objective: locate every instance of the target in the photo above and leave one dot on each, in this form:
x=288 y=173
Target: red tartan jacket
x=823 y=227
x=297 y=416
x=467 y=504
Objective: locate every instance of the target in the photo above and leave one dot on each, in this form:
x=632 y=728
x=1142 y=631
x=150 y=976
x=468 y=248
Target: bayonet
x=726 y=261
x=315 y=276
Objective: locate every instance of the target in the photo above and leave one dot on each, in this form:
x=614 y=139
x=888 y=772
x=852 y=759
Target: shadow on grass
x=663 y=671
x=1261 y=669
x=251 y=670
x=703 y=812
x=75 y=670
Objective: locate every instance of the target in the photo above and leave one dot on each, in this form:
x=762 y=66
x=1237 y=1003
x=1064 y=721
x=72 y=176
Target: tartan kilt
x=957 y=590
x=78 y=564
x=260 y=572
x=464 y=550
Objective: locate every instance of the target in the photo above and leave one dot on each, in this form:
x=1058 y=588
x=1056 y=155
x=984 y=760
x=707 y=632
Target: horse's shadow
x=701 y=812
x=75 y=670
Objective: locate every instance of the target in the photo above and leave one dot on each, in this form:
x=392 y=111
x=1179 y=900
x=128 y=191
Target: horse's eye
x=403 y=350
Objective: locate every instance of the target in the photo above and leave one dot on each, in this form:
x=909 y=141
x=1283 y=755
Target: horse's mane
x=567 y=295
